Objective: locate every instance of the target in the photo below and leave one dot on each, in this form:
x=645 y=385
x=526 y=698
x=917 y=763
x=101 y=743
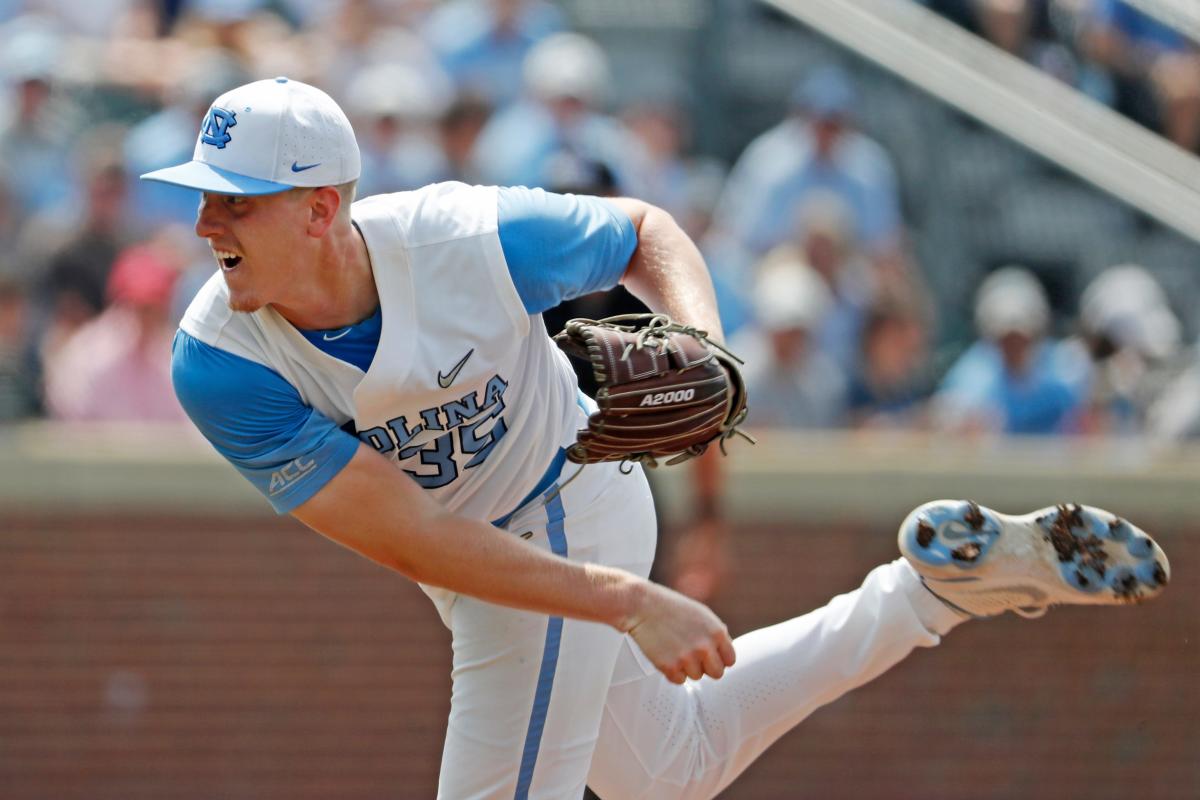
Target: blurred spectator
x=1009 y=24
x=1024 y=29
x=395 y=108
x=1174 y=416
x=892 y=380
x=95 y=18
x=365 y=33
x=1015 y=379
x=1156 y=68
x=568 y=173
x=1129 y=345
x=794 y=384
x=74 y=252
x=251 y=32
x=826 y=242
x=814 y=148
x=39 y=122
x=134 y=58
x=168 y=137
x=117 y=366
x=1111 y=50
x=411 y=14
x=566 y=77
x=812 y=188
x=483 y=43
x=18 y=390
x=459 y=130
x=71 y=253
x=685 y=187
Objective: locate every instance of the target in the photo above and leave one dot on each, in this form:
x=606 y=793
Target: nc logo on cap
x=216 y=127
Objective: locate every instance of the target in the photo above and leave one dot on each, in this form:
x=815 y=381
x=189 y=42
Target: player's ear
x=323 y=205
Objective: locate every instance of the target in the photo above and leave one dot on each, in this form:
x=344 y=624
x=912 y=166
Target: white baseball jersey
x=469 y=397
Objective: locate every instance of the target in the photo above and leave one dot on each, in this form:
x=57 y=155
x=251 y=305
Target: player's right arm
x=377 y=511
x=327 y=479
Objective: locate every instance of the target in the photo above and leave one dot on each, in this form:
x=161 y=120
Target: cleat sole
x=987 y=562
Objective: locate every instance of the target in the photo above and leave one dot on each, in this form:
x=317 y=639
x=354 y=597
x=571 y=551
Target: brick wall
x=190 y=658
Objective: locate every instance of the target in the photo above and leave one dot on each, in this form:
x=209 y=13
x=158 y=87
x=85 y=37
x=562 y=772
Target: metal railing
x=1018 y=100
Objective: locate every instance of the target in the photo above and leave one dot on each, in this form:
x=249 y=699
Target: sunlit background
x=955 y=240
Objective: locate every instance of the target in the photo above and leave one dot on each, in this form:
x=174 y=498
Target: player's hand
x=681 y=637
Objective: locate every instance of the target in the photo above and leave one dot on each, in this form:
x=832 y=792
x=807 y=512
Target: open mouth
x=228 y=261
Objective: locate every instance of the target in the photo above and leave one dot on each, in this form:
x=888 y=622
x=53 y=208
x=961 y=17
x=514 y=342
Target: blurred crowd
x=803 y=229
x=1112 y=50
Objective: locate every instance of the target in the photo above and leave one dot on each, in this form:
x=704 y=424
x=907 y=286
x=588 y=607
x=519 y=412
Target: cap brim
x=207 y=178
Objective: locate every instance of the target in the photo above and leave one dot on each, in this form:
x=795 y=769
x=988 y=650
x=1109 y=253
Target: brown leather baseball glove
x=666 y=390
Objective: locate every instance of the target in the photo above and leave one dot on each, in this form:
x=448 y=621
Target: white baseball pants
x=543 y=706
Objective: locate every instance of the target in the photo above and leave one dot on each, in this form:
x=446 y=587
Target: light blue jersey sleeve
x=257 y=420
x=561 y=246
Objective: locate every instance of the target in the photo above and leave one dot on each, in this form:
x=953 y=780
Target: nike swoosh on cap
x=296 y=167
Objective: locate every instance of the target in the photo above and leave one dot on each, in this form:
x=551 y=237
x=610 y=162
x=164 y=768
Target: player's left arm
x=562 y=246
x=667 y=271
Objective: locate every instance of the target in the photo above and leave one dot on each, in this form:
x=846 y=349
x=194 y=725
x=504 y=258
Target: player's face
x=259 y=243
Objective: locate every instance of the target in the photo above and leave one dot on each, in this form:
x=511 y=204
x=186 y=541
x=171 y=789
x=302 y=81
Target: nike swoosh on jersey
x=329 y=338
x=444 y=381
x=301 y=167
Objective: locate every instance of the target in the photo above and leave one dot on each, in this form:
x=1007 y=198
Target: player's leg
x=524 y=708
x=528 y=690
x=659 y=740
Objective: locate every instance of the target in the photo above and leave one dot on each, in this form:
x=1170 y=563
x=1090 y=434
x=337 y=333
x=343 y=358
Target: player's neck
x=342 y=291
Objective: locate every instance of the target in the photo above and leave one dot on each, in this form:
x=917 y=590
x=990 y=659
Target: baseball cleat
x=982 y=562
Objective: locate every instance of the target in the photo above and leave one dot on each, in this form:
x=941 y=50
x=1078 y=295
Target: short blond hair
x=346 y=191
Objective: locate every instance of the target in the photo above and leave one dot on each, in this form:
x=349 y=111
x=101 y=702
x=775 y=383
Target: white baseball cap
x=1011 y=300
x=567 y=65
x=266 y=137
x=789 y=295
x=1127 y=304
